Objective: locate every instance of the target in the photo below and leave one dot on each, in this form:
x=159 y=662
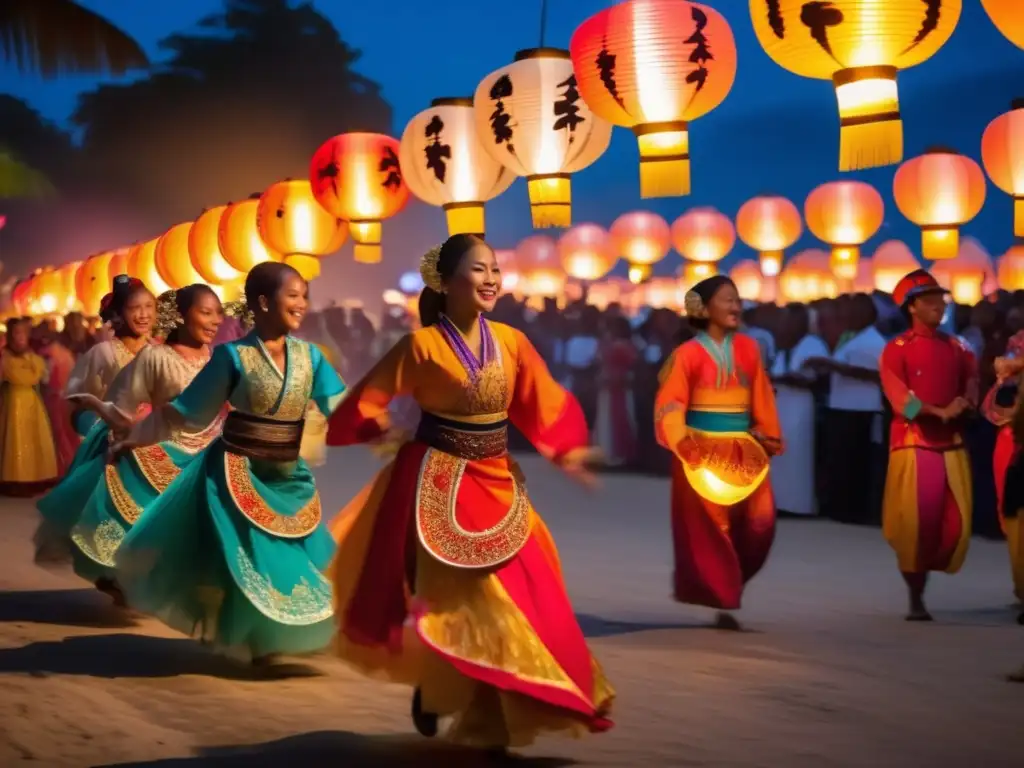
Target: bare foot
x=726 y=621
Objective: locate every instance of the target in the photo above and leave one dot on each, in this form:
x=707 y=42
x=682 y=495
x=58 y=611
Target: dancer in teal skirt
x=234 y=550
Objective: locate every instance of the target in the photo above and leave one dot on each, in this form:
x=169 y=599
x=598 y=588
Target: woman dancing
x=446 y=534
x=233 y=549
x=716 y=412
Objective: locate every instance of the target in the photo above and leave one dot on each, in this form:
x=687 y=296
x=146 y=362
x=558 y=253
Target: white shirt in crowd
x=793 y=360
x=863 y=351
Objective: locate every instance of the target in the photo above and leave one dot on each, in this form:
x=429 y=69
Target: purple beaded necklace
x=461 y=349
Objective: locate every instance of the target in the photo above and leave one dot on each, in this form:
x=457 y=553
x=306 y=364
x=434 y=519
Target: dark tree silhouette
x=389 y=166
x=501 y=121
x=701 y=53
x=775 y=20
x=241 y=101
x=437 y=152
x=930 y=22
x=567 y=110
x=606 y=66
x=818 y=16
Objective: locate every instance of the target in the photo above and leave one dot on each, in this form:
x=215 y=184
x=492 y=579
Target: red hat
x=917 y=283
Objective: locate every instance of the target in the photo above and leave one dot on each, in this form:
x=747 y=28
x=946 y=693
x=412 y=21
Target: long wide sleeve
x=328 y=388
x=133 y=385
x=764 y=413
x=547 y=415
x=86 y=377
x=671 y=402
x=895 y=386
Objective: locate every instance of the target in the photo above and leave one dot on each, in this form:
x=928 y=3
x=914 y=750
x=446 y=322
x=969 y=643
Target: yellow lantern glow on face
x=1002 y=152
x=747 y=276
x=642 y=239
x=587 y=252
x=892 y=260
x=239 y=237
x=653 y=66
x=940 y=191
x=446 y=164
x=1011 y=269
x=204 y=249
x=859 y=45
x=539 y=266
x=844 y=214
x=293 y=223
x=531 y=119
x=769 y=224
x=703 y=234
x=172 y=257
x=142 y=264
x=1008 y=16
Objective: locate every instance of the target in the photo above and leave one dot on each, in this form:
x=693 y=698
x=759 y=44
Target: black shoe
x=425 y=722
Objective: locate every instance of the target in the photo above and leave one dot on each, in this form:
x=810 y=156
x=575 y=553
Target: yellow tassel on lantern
x=870 y=126
x=844 y=261
x=465 y=218
x=1018 y=216
x=550 y=200
x=771 y=263
x=939 y=243
x=639 y=273
x=366 y=241
x=664 y=159
x=305 y=265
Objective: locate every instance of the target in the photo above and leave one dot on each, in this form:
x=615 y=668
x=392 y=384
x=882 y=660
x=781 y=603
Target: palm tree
x=51 y=38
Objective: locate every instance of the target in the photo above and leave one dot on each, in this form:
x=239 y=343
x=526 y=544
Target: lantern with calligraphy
x=540 y=269
x=142 y=264
x=172 y=257
x=205 y=255
x=703 y=235
x=92 y=282
x=357 y=177
x=239 y=237
x=445 y=163
x=653 y=66
x=292 y=223
x=808 y=277
x=844 y=214
x=1002 y=152
x=859 y=45
x=748 y=278
x=531 y=119
x=891 y=262
x=966 y=274
x=642 y=239
x=1008 y=16
x=939 y=191
x=587 y=252
x=769 y=224
x=1010 y=271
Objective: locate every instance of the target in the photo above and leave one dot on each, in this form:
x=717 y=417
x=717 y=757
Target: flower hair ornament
x=694 y=305
x=428 y=269
x=167 y=316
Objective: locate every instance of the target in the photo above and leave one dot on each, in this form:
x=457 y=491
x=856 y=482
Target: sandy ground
x=828 y=674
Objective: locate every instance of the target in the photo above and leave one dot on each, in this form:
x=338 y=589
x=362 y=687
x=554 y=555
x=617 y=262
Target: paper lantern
x=1008 y=16
x=729 y=469
x=118 y=263
x=1002 y=152
x=703 y=234
x=21 y=296
x=506 y=258
x=357 y=177
x=808 y=277
x=204 y=249
x=531 y=119
x=446 y=164
x=844 y=214
x=92 y=282
x=539 y=266
x=142 y=264
x=769 y=224
x=695 y=271
x=238 y=237
x=748 y=278
x=891 y=262
x=45 y=294
x=939 y=191
x=587 y=252
x=1010 y=271
x=293 y=223
x=859 y=45
x=68 y=291
x=173 y=263
x=966 y=275
x=653 y=66
x=642 y=239
x=864 y=280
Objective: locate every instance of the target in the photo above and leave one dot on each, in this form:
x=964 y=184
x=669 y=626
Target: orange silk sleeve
x=894 y=384
x=363 y=416
x=548 y=415
x=672 y=400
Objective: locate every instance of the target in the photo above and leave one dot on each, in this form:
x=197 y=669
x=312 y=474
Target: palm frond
x=54 y=37
x=19 y=180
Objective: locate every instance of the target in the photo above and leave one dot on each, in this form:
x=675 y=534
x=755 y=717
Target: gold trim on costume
x=249 y=502
x=123 y=502
x=101 y=544
x=265 y=381
x=306 y=604
x=155 y=465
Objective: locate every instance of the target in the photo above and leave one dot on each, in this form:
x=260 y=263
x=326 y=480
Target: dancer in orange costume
x=716 y=412
x=931 y=380
x=447 y=534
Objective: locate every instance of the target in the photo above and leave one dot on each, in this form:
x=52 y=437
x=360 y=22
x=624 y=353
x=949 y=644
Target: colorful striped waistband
x=718 y=421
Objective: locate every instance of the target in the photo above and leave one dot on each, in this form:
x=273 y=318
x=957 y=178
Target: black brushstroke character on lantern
x=330 y=171
x=391 y=169
x=929 y=24
x=818 y=16
x=437 y=153
x=701 y=53
x=775 y=20
x=606 y=66
x=566 y=109
x=501 y=121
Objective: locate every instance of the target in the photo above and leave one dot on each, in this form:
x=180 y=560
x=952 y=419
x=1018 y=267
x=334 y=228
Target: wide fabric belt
x=718 y=421
x=472 y=442
x=263 y=439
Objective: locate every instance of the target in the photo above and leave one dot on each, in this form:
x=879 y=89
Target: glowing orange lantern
x=539 y=266
x=653 y=66
x=587 y=252
x=844 y=214
x=506 y=258
x=1002 y=152
x=118 y=263
x=965 y=275
x=92 y=282
x=703 y=235
x=239 y=237
x=748 y=278
x=47 y=292
x=769 y=224
x=292 y=223
x=204 y=250
x=642 y=239
x=808 y=277
x=67 y=285
x=142 y=264
x=172 y=257
x=859 y=45
x=939 y=191
x=357 y=177
x=1008 y=16
x=892 y=260
x=695 y=271
x=21 y=296
x=864 y=282
x=1011 y=269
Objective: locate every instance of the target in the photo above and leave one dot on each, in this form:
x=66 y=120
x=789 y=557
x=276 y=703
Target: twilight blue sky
x=774 y=132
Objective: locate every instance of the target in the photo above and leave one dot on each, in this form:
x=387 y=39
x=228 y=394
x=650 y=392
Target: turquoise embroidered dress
x=234 y=549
